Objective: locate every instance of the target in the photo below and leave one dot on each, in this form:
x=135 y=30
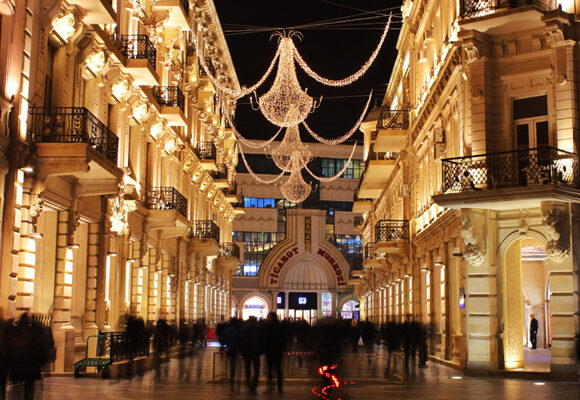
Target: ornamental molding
x=556 y=220
x=474 y=233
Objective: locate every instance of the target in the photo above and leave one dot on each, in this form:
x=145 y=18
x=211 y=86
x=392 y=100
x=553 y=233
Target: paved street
x=358 y=379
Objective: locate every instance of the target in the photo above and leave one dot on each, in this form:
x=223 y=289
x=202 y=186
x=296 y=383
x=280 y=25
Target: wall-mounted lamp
x=74 y=246
x=112 y=253
x=28 y=169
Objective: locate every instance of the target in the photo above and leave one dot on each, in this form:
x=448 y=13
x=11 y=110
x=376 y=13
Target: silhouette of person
x=534 y=331
x=275 y=342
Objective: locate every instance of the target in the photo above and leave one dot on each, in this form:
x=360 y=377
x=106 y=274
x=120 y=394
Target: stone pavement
x=359 y=378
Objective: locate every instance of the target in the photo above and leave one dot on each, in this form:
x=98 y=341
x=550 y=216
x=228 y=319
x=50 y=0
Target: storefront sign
x=302 y=301
x=283 y=260
x=339 y=276
x=307 y=232
x=280 y=301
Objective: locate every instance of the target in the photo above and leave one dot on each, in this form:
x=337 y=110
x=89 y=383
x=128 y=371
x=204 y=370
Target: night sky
x=333 y=52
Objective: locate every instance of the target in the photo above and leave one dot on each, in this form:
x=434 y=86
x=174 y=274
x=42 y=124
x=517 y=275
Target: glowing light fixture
x=64 y=26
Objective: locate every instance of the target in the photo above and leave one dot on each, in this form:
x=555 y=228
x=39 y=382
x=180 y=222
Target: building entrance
x=254 y=306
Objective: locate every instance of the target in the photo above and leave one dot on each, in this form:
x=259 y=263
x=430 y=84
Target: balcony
x=238 y=206
x=204 y=237
x=392 y=129
x=220 y=178
x=229 y=256
x=513 y=179
x=503 y=16
x=170 y=102
x=358 y=223
x=371 y=259
x=206 y=152
x=72 y=141
x=96 y=11
x=139 y=58
x=391 y=235
x=178 y=13
x=362 y=205
x=231 y=192
x=205 y=84
x=167 y=198
x=378 y=169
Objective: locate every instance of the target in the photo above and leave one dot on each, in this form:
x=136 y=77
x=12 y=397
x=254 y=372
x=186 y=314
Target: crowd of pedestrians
x=326 y=342
x=24 y=350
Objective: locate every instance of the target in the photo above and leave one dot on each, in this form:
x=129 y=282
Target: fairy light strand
x=339 y=174
x=236 y=94
x=256 y=177
x=251 y=143
x=347 y=135
x=350 y=79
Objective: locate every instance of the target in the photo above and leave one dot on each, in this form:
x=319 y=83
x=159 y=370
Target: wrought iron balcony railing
x=393 y=119
x=358 y=221
x=166 y=198
x=478 y=8
x=137 y=47
x=229 y=250
x=210 y=67
x=231 y=190
x=205 y=229
x=388 y=230
x=368 y=253
x=169 y=96
x=509 y=169
x=217 y=174
x=374 y=155
x=206 y=151
x=73 y=125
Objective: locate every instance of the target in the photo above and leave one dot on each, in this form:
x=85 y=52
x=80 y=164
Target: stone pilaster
x=27 y=253
x=153 y=288
x=90 y=318
x=512 y=307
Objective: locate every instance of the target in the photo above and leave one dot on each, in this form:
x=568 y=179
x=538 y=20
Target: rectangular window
x=332 y=166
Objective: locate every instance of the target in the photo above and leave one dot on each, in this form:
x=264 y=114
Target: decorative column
x=153 y=287
x=481 y=288
x=90 y=318
x=63 y=331
x=512 y=307
x=27 y=252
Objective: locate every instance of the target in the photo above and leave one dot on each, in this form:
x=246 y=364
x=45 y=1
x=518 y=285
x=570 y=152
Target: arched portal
x=254 y=306
x=525 y=279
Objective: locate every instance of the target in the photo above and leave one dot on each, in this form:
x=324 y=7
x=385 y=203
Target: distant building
x=297 y=258
x=471 y=185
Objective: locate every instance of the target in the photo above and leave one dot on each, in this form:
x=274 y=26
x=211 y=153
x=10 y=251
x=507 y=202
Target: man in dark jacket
x=275 y=342
x=251 y=346
x=534 y=332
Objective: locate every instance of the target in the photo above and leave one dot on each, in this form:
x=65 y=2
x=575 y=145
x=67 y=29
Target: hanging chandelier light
x=295 y=189
x=291 y=153
x=286 y=104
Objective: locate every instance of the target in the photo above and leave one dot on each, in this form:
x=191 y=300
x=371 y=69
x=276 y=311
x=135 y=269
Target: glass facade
x=332 y=166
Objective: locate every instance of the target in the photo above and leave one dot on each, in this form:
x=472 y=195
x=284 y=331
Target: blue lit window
x=259 y=202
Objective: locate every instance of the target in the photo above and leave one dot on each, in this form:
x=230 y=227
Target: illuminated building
x=470 y=190
x=297 y=258
x=115 y=159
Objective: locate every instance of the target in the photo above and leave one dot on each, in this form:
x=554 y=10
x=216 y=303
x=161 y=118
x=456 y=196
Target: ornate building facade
x=297 y=258
x=116 y=163
x=471 y=185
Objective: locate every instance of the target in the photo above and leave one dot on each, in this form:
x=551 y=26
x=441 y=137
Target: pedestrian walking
x=534 y=332
x=251 y=343
x=275 y=342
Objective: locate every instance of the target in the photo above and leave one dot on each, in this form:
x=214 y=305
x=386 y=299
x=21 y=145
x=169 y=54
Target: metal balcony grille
x=478 y=8
x=169 y=96
x=358 y=221
x=137 y=47
x=73 y=125
x=167 y=198
x=206 y=229
x=518 y=168
x=206 y=151
x=393 y=119
x=210 y=67
x=387 y=230
x=368 y=253
x=229 y=250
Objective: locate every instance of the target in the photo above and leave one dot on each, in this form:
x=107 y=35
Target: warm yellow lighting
x=96 y=62
x=27 y=169
x=120 y=89
x=157 y=129
x=139 y=112
x=64 y=26
x=169 y=146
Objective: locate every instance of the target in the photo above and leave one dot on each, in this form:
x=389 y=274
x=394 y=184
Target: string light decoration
x=291 y=153
x=295 y=189
x=286 y=105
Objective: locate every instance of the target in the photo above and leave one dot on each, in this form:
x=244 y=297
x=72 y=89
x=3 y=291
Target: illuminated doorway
x=350 y=310
x=255 y=306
